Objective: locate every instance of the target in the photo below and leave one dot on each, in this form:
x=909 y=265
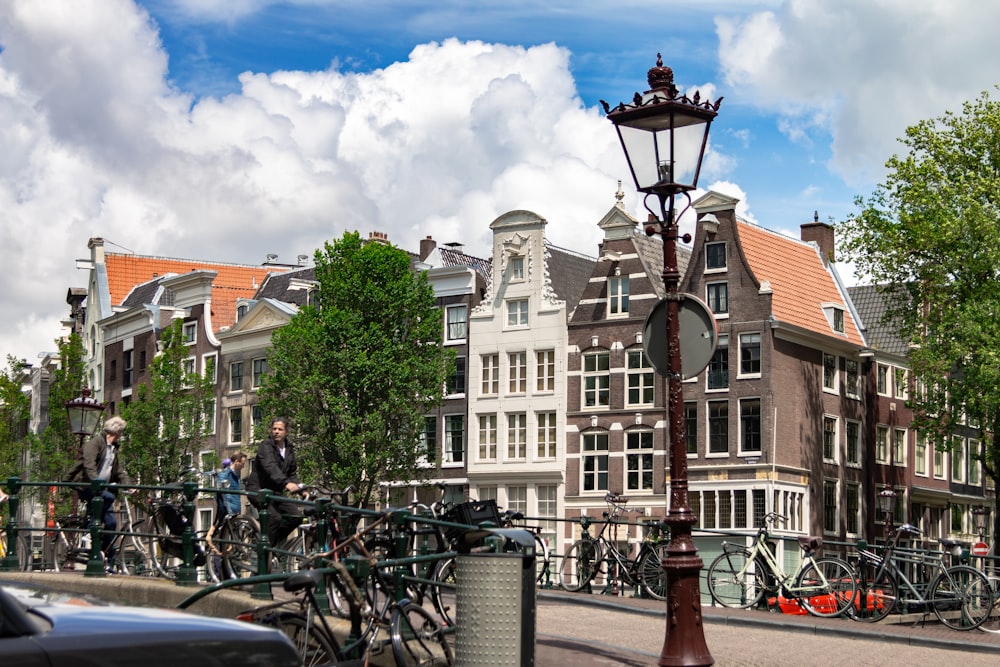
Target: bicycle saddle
x=303 y=580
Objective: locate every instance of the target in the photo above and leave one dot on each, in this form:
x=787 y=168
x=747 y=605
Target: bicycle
x=960 y=596
x=740 y=577
x=25 y=557
x=543 y=560
x=598 y=560
x=165 y=527
x=992 y=622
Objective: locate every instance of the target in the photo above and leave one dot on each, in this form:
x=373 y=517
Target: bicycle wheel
x=735 y=580
x=25 y=559
x=826 y=587
x=417 y=638
x=237 y=541
x=961 y=597
x=992 y=622
x=442 y=591
x=876 y=596
x=160 y=544
x=580 y=564
x=652 y=576
x=543 y=562
x=311 y=642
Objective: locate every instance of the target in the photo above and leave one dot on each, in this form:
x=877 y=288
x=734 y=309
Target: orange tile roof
x=800 y=282
x=233 y=282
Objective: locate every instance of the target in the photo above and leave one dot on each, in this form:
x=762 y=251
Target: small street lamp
x=84 y=414
x=979 y=516
x=664 y=135
x=886 y=505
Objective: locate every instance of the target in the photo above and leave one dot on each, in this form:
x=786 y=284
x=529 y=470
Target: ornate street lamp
x=664 y=135
x=979 y=516
x=84 y=414
x=886 y=505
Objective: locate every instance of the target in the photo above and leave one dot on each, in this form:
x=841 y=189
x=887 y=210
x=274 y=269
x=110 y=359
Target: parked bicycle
x=740 y=577
x=913 y=581
x=597 y=561
x=165 y=527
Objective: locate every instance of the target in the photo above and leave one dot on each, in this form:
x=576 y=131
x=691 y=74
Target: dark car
x=39 y=629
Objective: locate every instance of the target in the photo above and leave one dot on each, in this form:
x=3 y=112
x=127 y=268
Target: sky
x=225 y=130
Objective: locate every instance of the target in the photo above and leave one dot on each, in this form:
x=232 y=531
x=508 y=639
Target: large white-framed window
x=454 y=438
x=209 y=364
x=829 y=439
x=618 y=292
x=831 y=508
x=883 y=380
x=852 y=378
x=717 y=376
x=596 y=379
x=488 y=437
x=717 y=297
x=516 y=264
x=517 y=436
x=517 y=313
x=749 y=355
x=750 y=437
x=640 y=378
x=900 y=383
x=920 y=457
x=639 y=460
x=595 y=462
x=457 y=323
x=939 y=463
x=491 y=374
x=545 y=370
x=546 y=422
x=718 y=427
x=259 y=371
x=975 y=464
x=899 y=447
x=548 y=506
x=881 y=444
x=235 y=376
x=189 y=333
x=957 y=459
x=235 y=426
x=517 y=499
x=852 y=445
x=829 y=372
x=517 y=373
x=852 y=502
x=715 y=257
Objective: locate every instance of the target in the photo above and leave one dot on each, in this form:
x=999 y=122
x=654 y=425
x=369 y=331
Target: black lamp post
x=979 y=515
x=84 y=414
x=886 y=505
x=664 y=135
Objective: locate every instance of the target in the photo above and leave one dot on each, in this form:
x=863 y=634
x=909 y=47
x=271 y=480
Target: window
x=957 y=518
x=938 y=463
x=718 y=427
x=428 y=439
x=852 y=500
x=838 y=320
x=718 y=367
x=750 y=425
x=881 y=444
x=208 y=418
x=852 y=378
x=957 y=459
x=456 y=322
x=546 y=434
x=618 y=296
x=548 y=507
x=517 y=499
x=456 y=382
x=545 y=370
x=189 y=332
x=900 y=384
x=830 y=506
x=259 y=371
x=487 y=437
x=715 y=256
x=517 y=313
x=596 y=379
x=454 y=438
x=853 y=443
x=491 y=373
x=830 y=439
x=235 y=425
x=718 y=297
x=750 y=354
x=517 y=268
x=975 y=464
x=241 y=311
x=256 y=416
x=920 y=455
x=236 y=376
x=639 y=461
x=829 y=372
x=899 y=447
x=882 y=379
x=126 y=369
x=595 y=462
x=517 y=372
x=517 y=435
x=691 y=427
x=640 y=378
x=188 y=368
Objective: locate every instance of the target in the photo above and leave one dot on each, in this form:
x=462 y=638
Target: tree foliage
x=169 y=415
x=356 y=374
x=929 y=236
x=14 y=413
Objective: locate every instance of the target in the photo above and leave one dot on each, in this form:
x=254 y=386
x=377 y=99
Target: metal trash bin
x=495 y=604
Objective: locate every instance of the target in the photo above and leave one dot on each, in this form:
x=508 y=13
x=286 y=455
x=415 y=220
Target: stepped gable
x=800 y=281
x=234 y=281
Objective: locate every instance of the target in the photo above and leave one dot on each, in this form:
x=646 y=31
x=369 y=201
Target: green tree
x=929 y=236
x=356 y=374
x=170 y=414
x=14 y=412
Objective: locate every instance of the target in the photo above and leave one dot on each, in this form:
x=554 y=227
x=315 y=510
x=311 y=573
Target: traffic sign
x=699 y=335
x=980 y=549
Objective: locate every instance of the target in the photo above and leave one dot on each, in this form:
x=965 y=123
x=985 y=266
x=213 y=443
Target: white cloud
x=97 y=143
x=860 y=70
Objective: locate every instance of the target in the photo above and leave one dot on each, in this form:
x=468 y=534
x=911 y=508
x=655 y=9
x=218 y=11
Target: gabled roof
x=569 y=272
x=234 y=281
x=287 y=286
x=800 y=281
x=870 y=304
x=451 y=257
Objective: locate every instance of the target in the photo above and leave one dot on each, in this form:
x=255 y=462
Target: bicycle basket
x=472 y=513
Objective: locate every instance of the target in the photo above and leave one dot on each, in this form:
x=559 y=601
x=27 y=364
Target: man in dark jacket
x=275 y=469
x=100 y=460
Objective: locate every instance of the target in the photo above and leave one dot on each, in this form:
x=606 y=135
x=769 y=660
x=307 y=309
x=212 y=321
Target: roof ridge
x=198 y=261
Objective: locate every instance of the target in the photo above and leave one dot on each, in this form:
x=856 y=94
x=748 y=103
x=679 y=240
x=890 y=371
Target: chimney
x=821 y=234
x=379 y=237
x=427 y=246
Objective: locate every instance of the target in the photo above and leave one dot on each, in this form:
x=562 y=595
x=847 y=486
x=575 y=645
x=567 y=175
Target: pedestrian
x=230 y=478
x=275 y=469
x=100 y=460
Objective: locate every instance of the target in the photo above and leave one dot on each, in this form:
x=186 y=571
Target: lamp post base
x=684 y=643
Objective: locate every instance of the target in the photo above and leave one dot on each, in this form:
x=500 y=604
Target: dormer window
x=241 y=311
x=835 y=314
x=715 y=256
